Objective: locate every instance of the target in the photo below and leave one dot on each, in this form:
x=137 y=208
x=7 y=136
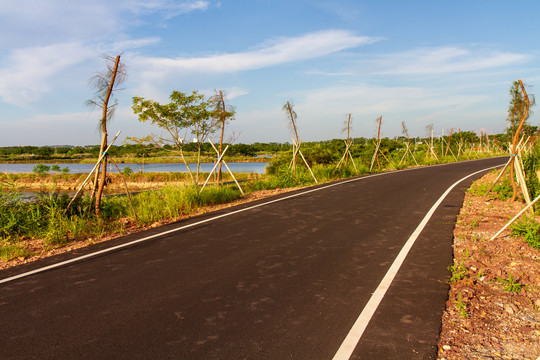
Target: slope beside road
x=280 y=278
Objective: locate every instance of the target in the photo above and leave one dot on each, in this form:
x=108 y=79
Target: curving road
x=285 y=278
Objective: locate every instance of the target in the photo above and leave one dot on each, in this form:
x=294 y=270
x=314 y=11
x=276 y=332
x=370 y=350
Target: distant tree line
x=318 y=148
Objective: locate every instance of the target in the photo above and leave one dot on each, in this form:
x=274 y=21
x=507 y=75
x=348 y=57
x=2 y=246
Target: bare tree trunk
x=222 y=132
x=104 y=116
x=378 y=140
x=289 y=109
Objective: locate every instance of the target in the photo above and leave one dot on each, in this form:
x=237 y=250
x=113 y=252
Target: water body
x=238 y=167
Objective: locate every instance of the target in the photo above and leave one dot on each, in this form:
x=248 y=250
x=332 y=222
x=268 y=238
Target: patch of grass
x=459 y=272
x=10 y=251
x=461 y=306
x=511 y=284
x=475 y=222
x=529 y=229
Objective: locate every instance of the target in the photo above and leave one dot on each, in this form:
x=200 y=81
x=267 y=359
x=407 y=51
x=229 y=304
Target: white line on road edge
x=353 y=337
x=114 y=248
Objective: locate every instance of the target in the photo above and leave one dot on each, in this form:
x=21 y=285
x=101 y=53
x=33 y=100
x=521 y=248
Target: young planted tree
x=177 y=118
x=222 y=114
x=516 y=108
x=348 y=143
x=106 y=84
x=520 y=105
x=202 y=124
x=429 y=129
x=377 y=143
x=291 y=114
x=408 y=144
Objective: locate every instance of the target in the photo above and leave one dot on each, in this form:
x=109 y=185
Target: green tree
x=184 y=114
x=517 y=109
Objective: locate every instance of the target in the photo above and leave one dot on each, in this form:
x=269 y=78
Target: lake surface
x=238 y=167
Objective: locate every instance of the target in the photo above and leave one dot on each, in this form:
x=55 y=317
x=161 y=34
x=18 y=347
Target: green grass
x=529 y=229
x=46 y=218
x=511 y=284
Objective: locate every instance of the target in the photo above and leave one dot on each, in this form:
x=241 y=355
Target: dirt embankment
x=494 y=301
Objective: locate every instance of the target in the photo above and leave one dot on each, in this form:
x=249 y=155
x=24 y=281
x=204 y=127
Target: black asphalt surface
x=286 y=280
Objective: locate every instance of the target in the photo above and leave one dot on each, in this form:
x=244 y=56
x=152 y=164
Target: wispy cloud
x=271 y=53
x=28 y=72
x=33 y=23
x=447 y=59
x=169 y=8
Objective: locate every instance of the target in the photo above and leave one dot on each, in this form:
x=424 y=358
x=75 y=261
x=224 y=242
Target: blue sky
x=446 y=63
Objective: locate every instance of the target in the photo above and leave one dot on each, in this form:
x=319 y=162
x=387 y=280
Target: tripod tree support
x=103 y=154
x=219 y=161
x=515 y=217
x=127 y=191
x=297 y=147
x=347 y=155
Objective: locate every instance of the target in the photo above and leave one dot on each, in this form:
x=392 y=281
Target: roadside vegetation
x=54 y=220
x=46 y=221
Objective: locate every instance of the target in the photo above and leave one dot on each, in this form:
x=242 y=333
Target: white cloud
x=28 y=72
x=39 y=23
x=169 y=8
x=271 y=53
x=443 y=60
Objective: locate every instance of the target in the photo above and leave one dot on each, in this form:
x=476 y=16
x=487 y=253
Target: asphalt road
x=284 y=280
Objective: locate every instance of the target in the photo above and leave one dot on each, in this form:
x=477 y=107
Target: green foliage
x=55 y=168
x=511 y=284
x=531 y=164
x=517 y=108
x=461 y=306
x=458 y=272
x=503 y=189
x=41 y=168
x=529 y=229
x=9 y=251
x=127 y=171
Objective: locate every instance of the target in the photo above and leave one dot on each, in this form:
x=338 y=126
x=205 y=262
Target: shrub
x=41 y=169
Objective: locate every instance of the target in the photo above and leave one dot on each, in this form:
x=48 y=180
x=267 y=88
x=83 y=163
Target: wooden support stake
x=127 y=191
x=305 y=162
x=515 y=217
x=91 y=172
x=218 y=162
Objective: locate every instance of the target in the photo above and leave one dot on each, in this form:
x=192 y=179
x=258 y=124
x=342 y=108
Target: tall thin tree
x=222 y=114
x=289 y=109
x=106 y=84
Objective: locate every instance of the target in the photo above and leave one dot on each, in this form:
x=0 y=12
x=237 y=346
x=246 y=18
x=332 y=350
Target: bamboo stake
x=127 y=191
x=218 y=160
x=515 y=217
x=305 y=162
x=94 y=169
x=374 y=155
x=224 y=163
x=517 y=135
x=345 y=156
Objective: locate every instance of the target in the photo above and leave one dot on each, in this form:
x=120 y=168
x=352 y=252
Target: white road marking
x=353 y=337
x=117 y=247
